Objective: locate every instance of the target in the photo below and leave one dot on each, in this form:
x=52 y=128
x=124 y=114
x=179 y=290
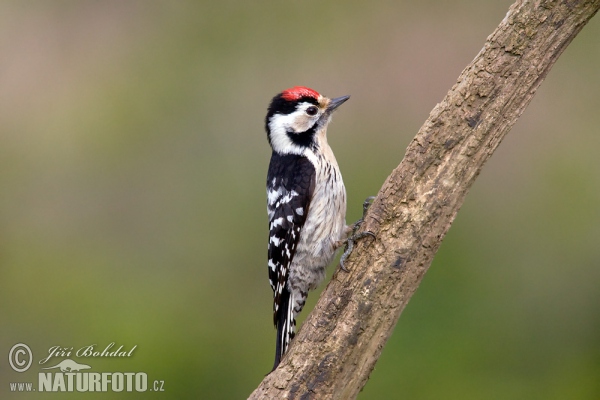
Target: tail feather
x=286 y=325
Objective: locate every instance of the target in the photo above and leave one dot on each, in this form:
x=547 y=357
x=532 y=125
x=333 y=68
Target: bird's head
x=297 y=117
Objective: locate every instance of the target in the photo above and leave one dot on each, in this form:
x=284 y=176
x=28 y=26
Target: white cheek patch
x=302 y=122
x=278 y=126
x=298 y=121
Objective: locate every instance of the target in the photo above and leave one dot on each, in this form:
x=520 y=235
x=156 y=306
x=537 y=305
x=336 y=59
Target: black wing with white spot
x=290 y=186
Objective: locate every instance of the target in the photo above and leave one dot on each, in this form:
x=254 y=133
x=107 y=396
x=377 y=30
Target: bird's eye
x=312 y=110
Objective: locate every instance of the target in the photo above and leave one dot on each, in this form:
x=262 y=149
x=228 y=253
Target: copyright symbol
x=20 y=357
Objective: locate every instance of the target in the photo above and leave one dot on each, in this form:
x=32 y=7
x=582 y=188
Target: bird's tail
x=286 y=325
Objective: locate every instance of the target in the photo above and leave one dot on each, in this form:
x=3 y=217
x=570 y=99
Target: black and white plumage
x=306 y=203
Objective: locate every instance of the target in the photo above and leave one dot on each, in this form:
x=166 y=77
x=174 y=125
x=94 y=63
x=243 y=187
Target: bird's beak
x=335 y=103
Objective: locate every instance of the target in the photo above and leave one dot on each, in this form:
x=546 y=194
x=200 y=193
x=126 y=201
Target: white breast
x=325 y=222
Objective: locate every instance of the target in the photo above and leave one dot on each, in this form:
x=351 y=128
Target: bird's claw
x=356 y=236
x=350 y=245
x=367 y=203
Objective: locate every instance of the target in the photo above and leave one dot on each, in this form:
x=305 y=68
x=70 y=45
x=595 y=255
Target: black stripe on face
x=304 y=139
x=279 y=105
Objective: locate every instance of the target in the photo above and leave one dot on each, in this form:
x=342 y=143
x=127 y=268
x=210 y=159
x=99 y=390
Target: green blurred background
x=133 y=161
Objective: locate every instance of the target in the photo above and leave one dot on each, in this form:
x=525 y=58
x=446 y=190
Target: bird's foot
x=354 y=236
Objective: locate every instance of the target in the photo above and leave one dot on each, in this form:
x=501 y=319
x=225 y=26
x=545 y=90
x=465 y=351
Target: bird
x=306 y=203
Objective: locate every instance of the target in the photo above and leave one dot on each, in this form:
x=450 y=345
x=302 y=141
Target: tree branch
x=340 y=341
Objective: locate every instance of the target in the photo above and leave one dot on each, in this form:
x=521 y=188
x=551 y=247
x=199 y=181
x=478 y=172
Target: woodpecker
x=306 y=203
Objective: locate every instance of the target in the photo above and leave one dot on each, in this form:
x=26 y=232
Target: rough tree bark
x=339 y=343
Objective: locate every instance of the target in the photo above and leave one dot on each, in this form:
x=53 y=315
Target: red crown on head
x=297 y=92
